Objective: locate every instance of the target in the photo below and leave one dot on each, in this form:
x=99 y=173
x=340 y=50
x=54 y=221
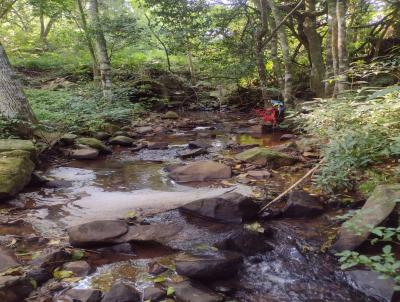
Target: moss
x=93 y=143
x=171 y=115
x=263 y=156
x=18 y=144
x=16 y=168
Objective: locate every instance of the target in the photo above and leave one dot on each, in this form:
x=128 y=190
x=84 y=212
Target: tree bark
x=102 y=53
x=329 y=74
x=317 y=73
x=95 y=63
x=341 y=9
x=13 y=102
x=191 y=67
x=288 y=79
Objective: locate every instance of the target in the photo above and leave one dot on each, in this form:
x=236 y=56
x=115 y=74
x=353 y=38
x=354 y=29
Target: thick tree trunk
x=341 y=9
x=13 y=102
x=288 y=87
x=95 y=63
x=329 y=75
x=317 y=73
x=102 y=53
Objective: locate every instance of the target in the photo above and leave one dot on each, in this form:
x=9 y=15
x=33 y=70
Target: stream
x=127 y=183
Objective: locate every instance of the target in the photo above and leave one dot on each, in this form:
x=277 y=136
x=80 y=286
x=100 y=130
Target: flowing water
x=117 y=185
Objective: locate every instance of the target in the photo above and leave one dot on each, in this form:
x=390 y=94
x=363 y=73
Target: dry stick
x=291 y=187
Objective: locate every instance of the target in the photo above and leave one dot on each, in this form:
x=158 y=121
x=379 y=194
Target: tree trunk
x=315 y=46
x=13 y=102
x=276 y=63
x=341 y=9
x=288 y=87
x=191 y=67
x=95 y=63
x=329 y=75
x=101 y=46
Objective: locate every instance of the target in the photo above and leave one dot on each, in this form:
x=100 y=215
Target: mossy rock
x=171 y=115
x=18 y=144
x=16 y=168
x=94 y=143
x=264 y=156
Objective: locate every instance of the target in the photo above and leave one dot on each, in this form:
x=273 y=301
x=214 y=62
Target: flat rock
x=153 y=294
x=18 y=144
x=229 y=208
x=157 y=145
x=377 y=208
x=121 y=140
x=144 y=130
x=94 y=143
x=84 y=153
x=264 y=156
x=192 y=153
x=7 y=259
x=80 y=268
x=188 y=291
x=82 y=295
x=371 y=285
x=68 y=138
x=122 y=293
x=259 y=174
x=159 y=233
x=301 y=204
x=199 y=144
x=16 y=168
x=97 y=232
x=246 y=242
x=209 y=267
x=201 y=171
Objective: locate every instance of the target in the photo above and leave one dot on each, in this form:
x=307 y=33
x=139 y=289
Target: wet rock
x=153 y=294
x=121 y=140
x=58 y=183
x=18 y=144
x=96 y=232
x=259 y=174
x=201 y=171
x=209 y=267
x=199 y=144
x=84 y=153
x=82 y=295
x=80 y=268
x=122 y=293
x=259 y=129
x=7 y=259
x=372 y=285
x=157 y=145
x=122 y=248
x=157 y=233
x=68 y=139
x=171 y=115
x=302 y=204
x=94 y=143
x=40 y=275
x=206 y=135
x=14 y=288
x=377 y=208
x=102 y=135
x=246 y=242
x=51 y=258
x=188 y=291
x=285 y=137
x=156 y=268
x=229 y=207
x=144 y=130
x=192 y=153
x=161 y=130
x=120 y=133
x=16 y=168
x=263 y=156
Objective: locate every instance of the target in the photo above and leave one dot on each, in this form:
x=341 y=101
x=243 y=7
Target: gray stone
x=264 y=156
x=7 y=259
x=377 y=208
x=121 y=140
x=192 y=153
x=229 y=208
x=84 y=153
x=288 y=136
x=14 y=288
x=259 y=174
x=144 y=130
x=171 y=115
x=302 y=204
x=153 y=294
x=96 y=232
x=122 y=248
x=68 y=138
x=122 y=293
x=201 y=171
x=158 y=233
x=188 y=291
x=80 y=268
x=102 y=135
x=199 y=144
x=83 y=295
x=94 y=143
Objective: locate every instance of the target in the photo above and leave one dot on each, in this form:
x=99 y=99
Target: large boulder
x=121 y=140
x=7 y=259
x=201 y=171
x=264 y=156
x=187 y=291
x=94 y=143
x=122 y=293
x=302 y=204
x=96 y=232
x=209 y=267
x=153 y=294
x=229 y=207
x=16 y=168
x=18 y=144
x=377 y=208
x=14 y=288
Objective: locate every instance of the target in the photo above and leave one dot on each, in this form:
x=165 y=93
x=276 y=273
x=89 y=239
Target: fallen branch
x=291 y=187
